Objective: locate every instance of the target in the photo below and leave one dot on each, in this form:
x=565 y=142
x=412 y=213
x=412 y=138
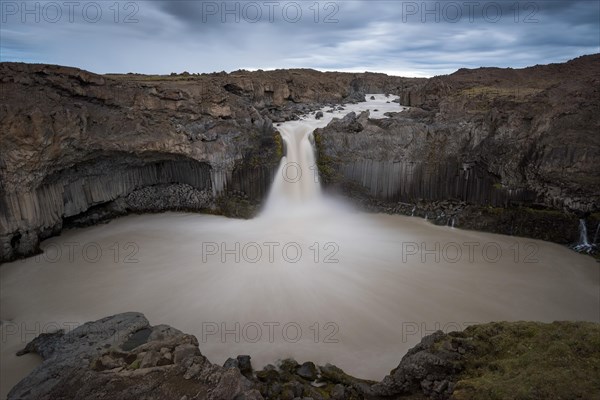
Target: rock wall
x=75 y=143
x=410 y=181
x=79 y=147
x=487 y=137
x=96 y=183
x=409 y=158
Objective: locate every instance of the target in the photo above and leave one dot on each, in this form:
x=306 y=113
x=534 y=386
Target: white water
x=584 y=245
x=296 y=187
x=363 y=288
x=297 y=180
x=583 y=237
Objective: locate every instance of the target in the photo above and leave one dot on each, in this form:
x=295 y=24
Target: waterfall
x=595 y=242
x=297 y=178
x=583 y=238
x=296 y=183
x=583 y=245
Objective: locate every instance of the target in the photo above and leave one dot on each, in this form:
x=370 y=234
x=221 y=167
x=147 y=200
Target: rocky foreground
x=504 y=150
x=123 y=357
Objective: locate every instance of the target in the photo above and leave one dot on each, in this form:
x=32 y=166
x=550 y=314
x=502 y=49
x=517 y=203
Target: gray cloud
x=376 y=35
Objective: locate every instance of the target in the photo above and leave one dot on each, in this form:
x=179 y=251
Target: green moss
x=326 y=165
x=495 y=210
x=278 y=145
x=323 y=391
x=545 y=224
x=152 y=78
x=236 y=207
x=333 y=375
x=527 y=211
x=135 y=365
x=529 y=360
x=490 y=92
x=545 y=212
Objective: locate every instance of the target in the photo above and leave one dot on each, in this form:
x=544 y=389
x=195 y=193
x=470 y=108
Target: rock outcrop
x=488 y=137
x=123 y=357
x=80 y=147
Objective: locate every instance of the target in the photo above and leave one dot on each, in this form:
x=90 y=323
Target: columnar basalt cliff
x=503 y=139
x=78 y=148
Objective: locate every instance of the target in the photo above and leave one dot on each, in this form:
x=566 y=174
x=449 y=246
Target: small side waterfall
x=583 y=237
x=584 y=245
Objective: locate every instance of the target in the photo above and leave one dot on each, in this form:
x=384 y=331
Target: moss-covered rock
x=498 y=360
x=529 y=360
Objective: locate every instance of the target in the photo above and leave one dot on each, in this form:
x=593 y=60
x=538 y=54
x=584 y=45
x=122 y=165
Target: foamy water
x=313 y=280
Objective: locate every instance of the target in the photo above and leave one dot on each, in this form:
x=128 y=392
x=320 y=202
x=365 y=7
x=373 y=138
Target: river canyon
x=310 y=277
x=234 y=207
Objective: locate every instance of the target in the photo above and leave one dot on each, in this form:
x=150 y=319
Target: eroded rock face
x=486 y=137
x=82 y=147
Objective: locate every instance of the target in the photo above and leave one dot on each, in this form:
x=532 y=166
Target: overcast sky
x=421 y=38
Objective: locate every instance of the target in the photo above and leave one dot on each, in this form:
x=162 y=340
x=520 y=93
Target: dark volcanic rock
x=245 y=365
x=123 y=357
x=109 y=359
x=488 y=137
x=308 y=370
x=424 y=368
x=79 y=148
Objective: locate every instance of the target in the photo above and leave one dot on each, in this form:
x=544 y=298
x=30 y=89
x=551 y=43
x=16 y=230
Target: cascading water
x=297 y=179
x=296 y=186
x=584 y=245
x=583 y=238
